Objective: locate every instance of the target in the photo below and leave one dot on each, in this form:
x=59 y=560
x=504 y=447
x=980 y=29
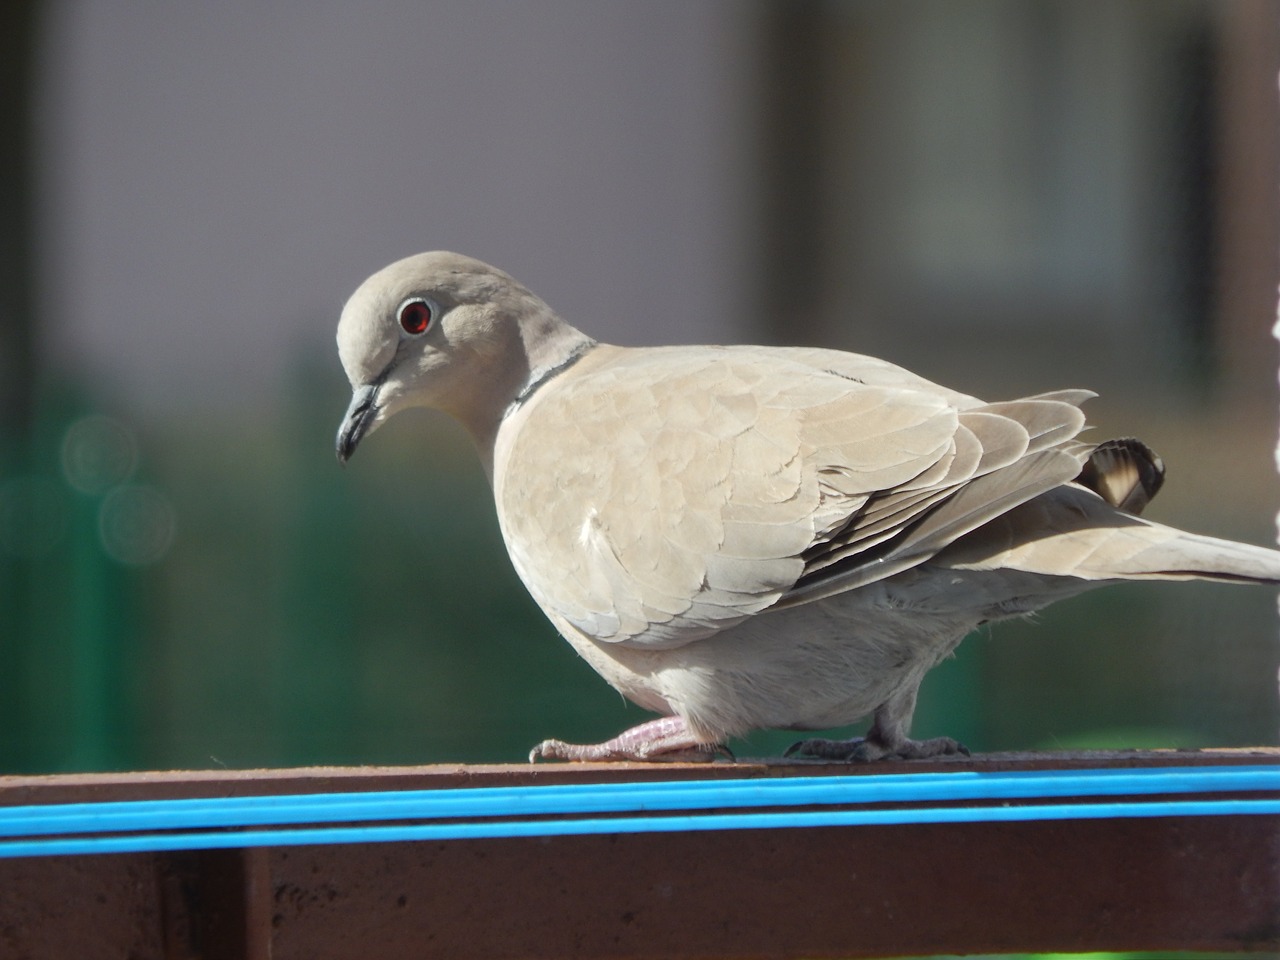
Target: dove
x=740 y=538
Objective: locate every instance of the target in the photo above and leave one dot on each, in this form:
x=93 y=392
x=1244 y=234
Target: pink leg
x=666 y=738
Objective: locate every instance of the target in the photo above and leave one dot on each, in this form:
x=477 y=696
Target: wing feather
x=654 y=497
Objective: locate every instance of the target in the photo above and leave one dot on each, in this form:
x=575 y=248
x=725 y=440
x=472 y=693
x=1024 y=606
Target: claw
x=665 y=739
x=865 y=749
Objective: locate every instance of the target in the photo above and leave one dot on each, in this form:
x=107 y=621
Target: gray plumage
x=756 y=537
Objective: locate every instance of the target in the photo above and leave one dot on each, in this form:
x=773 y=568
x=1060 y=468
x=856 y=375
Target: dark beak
x=359 y=418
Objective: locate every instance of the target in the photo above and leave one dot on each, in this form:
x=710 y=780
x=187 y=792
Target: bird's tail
x=1071 y=532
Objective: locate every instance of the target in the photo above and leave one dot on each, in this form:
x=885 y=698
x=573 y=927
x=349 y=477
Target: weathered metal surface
x=1192 y=883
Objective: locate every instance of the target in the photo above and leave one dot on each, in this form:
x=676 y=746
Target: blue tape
x=469 y=813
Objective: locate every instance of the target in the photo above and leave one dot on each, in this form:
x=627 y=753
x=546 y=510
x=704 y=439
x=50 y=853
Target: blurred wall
x=1075 y=191
x=216 y=178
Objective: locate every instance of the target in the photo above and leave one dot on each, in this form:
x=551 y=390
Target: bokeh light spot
x=97 y=454
x=136 y=524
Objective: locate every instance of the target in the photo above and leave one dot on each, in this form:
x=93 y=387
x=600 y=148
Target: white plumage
x=750 y=537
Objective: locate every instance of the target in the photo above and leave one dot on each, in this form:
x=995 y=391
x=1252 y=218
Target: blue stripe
x=62 y=828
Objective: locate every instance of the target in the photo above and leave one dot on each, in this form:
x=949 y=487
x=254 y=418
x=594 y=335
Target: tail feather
x=1072 y=532
x=1125 y=472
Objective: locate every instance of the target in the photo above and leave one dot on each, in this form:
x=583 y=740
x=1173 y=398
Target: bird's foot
x=866 y=749
x=664 y=739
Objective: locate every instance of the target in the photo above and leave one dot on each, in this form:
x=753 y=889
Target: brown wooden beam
x=1170 y=883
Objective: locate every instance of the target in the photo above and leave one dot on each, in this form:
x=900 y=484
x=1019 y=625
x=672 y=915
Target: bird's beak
x=359 y=419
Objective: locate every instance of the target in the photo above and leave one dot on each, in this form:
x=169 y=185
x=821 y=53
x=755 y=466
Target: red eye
x=415 y=316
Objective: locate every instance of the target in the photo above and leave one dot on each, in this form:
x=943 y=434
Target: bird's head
x=445 y=331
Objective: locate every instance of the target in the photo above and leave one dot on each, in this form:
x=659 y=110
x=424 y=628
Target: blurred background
x=1008 y=196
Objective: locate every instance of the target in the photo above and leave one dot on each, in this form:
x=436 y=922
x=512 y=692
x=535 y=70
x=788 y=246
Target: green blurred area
x=303 y=613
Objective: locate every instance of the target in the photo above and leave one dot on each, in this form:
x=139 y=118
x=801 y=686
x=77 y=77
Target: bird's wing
x=661 y=495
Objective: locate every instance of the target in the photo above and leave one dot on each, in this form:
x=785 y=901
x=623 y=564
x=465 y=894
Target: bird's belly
x=814 y=666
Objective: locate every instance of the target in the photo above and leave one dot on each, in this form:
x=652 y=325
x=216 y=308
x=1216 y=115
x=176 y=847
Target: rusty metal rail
x=1153 y=851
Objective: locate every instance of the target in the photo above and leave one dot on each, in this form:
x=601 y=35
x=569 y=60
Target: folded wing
x=663 y=496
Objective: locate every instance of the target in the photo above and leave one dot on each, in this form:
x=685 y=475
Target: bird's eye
x=415 y=316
